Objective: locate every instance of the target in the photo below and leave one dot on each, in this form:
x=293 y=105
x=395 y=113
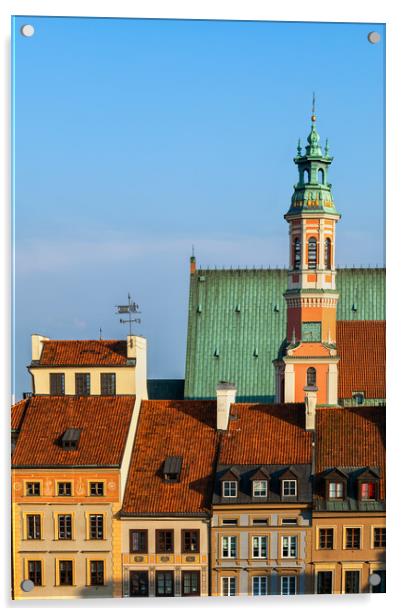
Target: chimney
x=137 y=356
x=310 y=401
x=37 y=346
x=225 y=396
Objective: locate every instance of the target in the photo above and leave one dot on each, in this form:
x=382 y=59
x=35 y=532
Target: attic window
x=172 y=469
x=70 y=439
x=358 y=397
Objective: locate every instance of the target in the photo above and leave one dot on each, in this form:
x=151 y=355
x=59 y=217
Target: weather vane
x=129 y=309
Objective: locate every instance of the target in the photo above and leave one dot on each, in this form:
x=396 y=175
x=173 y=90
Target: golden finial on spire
x=313 y=117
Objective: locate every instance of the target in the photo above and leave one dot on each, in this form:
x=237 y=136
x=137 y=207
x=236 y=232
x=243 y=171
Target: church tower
x=310 y=357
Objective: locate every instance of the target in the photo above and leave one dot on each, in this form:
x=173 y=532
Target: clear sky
x=136 y=139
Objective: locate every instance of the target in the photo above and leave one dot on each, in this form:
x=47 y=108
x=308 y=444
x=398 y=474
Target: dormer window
x=367 y=484
x=368 y=490
x=260 y=488
x=335 y=489
x=172 y=469
x=229 y=489
x=335 y=484
x=70 y=439
x=289 y=487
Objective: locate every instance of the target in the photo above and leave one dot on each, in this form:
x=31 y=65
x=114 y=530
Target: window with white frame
x=260 y=547
x=289 y=546
x=260 y=488
x=229 y=489
x=229 y=547
x=288 y=585
x=335 y=489
x=260 y=585
x=228 y=586
x=289 y=487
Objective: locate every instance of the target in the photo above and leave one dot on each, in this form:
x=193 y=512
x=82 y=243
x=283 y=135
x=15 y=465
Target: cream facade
x=179 y=568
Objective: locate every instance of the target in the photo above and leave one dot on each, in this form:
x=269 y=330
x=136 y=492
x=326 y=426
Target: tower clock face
x=311 y=331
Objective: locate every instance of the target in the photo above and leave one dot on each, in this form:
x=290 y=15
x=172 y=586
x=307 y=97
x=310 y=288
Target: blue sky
x=136 y=139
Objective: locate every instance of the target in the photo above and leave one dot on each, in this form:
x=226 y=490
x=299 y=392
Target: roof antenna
x=100 y=333
x=130 y=308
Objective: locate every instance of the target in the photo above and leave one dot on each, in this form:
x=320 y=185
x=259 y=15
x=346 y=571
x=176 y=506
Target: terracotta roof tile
x=17 y=413
x=351 y=437
x=104 y=421
x=182 y=428
x=361 y=346
x=266 y=434
x=84 y=353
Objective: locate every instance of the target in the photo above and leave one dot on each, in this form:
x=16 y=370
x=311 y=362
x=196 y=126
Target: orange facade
x=323 y=314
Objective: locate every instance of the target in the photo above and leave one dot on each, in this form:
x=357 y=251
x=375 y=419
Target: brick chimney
x=310 y=400
x=225 y=396
x=37 y=346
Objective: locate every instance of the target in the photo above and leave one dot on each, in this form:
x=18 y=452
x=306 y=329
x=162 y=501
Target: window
x=311 y=331
x=96 y=488
x=379 y=538
x=108 y=384
x=289 y=487
x=70 y=439
x=229 y=488
x=65 y=572
x=327 y=253
x=335 y=489
x=368 y=490
x=352 y=539
x=139 y=541
x=260 y=547
x=164 y=541
x=64 y=525
x=289 y=521
x=32 y=488
x=164 y=584
x=324 y=583
x=260 y=585
x=352 y=581
x=56 y=384
x=35 y=572
x=228 y=586
x=82 y=384
x=64 y=488
x=96 y=573
x=190 y=541
x=326 y=538
x=358 y=397
x=296 y=254
x=289 y=547
x=260 y=488
x=96 y=526
x=33 y=526
x=306 y=176
x=229 y=547
x=321 y=176
x=229 y=522
x=190 y=583
x=312 y=253
x=311 y=377
x=288 y=585
x=261 y=522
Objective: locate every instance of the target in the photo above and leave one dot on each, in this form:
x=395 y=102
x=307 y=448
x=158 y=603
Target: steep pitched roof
x=104 y=422
x=83 y=353
x=266 y=434
x=361 y=347
x=351 y=437
x=17 y=413
x=242 y=313
x=165 y=428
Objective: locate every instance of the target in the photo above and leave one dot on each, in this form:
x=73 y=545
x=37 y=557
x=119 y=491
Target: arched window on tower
x=306 y=176
x=296 y=254
x=312 y=253
x=327 y=253
x=311 y=377
x=321 y=176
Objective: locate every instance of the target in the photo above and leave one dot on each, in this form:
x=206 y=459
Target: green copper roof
x=237 y=323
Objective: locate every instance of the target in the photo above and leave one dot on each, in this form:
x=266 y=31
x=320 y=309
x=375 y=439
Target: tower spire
x=313 y=116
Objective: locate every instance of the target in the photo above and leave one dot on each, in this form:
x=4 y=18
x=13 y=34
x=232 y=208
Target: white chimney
x=225 y=396
x=310 y=400
x=137 y=355
x=37 y=345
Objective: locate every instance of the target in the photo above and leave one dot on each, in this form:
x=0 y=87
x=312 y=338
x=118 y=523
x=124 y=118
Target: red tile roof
x=266 y=434
x=17 y=413
x=182 y=428
x=361 y=346
x=84 y=353
x=104 y=421
x=353 y=437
